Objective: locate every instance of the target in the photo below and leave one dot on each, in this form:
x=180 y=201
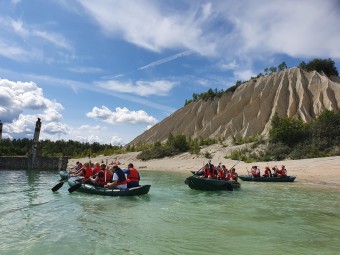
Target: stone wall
x=40 y=163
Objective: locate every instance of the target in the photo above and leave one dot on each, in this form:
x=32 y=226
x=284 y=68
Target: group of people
x=102 y=175
x=256 y=172
x=219 y=172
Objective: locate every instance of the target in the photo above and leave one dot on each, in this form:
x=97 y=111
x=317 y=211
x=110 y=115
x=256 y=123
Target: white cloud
x=80 y=69
x=152 y=27
x=97 y=133
x=142 y=88
x=165 y=60
x=121 y=115
x=115 y=140
x=11 y=51
x=227 y=29
x=17 y=99
x=55 y=128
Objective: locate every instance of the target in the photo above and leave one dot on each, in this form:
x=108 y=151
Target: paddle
x=235 y=164
x=75 y=187
x=58 y=186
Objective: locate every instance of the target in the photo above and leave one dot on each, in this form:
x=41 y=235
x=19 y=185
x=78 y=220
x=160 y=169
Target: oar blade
x=74 y=187
x=229 y=186
x=58 y=186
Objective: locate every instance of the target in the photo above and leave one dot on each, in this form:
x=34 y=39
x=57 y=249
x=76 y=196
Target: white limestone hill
x=248 y=111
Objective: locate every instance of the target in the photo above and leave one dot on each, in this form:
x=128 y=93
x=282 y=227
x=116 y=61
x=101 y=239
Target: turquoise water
x=260 y=218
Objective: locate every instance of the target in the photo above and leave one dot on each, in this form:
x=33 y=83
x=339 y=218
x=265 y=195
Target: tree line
x=48 y=148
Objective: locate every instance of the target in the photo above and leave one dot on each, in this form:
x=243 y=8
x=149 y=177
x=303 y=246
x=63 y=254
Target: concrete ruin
x=34 y=160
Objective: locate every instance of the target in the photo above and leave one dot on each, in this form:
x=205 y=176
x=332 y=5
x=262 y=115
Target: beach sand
x=315 y=171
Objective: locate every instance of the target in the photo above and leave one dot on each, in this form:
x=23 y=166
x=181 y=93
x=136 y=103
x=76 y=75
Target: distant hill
x=248 y=111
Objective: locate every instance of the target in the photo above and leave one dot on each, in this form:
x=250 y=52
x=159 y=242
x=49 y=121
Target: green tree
x=289 y=131
x=320 y=65
x=282 y=66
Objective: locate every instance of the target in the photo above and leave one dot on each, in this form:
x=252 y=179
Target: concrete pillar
x=34 y=150
x=0 y=131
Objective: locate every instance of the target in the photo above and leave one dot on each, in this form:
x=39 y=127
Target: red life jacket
x=96 y=170
x=101 y=178
x=268 y=173
x=232 y=176
x=222 y=174
x=133 y=176
x=87 y=172
x=209 y=172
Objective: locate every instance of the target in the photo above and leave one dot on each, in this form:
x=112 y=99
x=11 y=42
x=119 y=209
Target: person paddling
x=232 y=176
x=102 y=177
x=119 y=179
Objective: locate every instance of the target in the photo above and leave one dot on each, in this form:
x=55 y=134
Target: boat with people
x=76 y=184
x=199 y=183
x=267 y=179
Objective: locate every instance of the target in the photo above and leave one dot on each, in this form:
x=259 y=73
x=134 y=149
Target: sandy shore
x=315 y=171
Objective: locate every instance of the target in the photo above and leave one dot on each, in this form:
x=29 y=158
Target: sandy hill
x=249 y=109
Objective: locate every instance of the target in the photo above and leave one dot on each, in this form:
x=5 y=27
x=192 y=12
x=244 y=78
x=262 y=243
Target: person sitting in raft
x=232 y=176
x=282 y=172
x=86 y=172
x=102 y=177
x=267 y=172
x=255 y=171
x=132 y=176
x=77 y=168
x=275 y=169
x=96 y=169
x=119 y=179
x=209 y=171
x=222 y=173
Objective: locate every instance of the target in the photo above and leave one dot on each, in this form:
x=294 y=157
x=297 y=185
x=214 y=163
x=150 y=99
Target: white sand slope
x=248 y=111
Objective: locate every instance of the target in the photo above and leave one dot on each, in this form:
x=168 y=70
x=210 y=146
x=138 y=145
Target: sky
x=107 y=70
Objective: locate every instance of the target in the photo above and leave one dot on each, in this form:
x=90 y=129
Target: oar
x=58 y=186
x=235 y=164
x=75 y=187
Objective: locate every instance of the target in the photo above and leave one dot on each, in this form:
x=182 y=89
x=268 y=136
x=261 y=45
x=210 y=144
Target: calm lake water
x=260 y=218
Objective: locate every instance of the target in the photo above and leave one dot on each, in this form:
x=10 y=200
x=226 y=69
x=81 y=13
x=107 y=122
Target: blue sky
x=105 y=71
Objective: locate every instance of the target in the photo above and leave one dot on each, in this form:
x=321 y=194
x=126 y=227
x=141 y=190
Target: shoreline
x=321 y=172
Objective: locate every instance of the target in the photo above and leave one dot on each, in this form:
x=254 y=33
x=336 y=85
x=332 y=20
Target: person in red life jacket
x=222 y=173
x=96 y=168
x=232 y=176
x=86 y=172
x=267 y=172
x=102 y=177
x=255 y=171
x=282 y=172
x=119 y=179
x=209 y=171
x=132 y=176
